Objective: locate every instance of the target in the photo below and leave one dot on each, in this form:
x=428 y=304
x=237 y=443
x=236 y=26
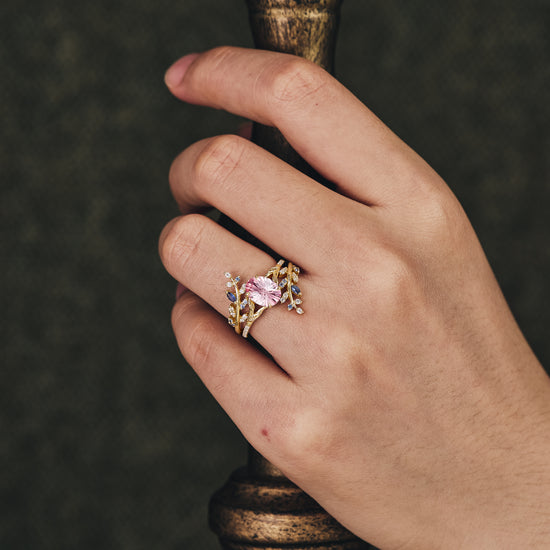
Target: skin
x=405 y=400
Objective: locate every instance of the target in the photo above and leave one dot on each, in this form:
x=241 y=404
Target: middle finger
x=288 y=211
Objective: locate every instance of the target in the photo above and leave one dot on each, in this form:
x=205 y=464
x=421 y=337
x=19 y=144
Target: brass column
x=259 y=508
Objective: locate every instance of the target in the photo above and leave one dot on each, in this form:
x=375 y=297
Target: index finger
x=326 y=124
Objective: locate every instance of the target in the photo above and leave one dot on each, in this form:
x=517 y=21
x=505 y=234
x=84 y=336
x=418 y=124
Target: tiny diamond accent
x=244 y=317
x=298 y=301
x=295 y=277
x=283 y=271
x=242 y=290
x=283 y=283
x=296 y=269
x=227 y=274
x=229 y=284
x=300 y=311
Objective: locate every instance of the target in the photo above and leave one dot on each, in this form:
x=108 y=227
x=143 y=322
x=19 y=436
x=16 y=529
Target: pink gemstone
x=263 y=291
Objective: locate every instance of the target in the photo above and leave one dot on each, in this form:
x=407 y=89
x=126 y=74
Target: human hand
x=406 y=400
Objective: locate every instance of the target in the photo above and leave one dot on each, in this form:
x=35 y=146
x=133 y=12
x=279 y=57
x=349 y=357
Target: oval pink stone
x=263 y=291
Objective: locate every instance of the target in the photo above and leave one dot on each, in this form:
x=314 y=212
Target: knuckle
x=181 y=311
x=392 y=284
x=218 y=159
x=437 y=212
x=182 y=240
x=199 y=345
x=307 y=440
x=397 y=278
x=197 y=338
x=443 y=223
x=218 y=57
x=296 y=80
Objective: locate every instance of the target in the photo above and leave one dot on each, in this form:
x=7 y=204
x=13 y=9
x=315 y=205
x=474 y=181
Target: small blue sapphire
x=231 y=297
x=295 y=289
x=290 y=306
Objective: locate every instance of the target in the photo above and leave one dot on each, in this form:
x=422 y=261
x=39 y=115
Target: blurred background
x=108 y=439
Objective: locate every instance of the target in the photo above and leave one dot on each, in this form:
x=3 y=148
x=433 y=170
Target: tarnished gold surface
x=258 y=508
x=304 y=28
x=254 y=511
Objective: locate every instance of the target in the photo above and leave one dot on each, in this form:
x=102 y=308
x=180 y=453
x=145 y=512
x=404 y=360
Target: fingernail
x=180 y=289
x=174 y=75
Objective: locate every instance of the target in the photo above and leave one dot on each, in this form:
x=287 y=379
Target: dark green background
x=108 y=438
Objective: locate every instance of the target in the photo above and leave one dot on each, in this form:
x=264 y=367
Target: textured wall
x=108 y=438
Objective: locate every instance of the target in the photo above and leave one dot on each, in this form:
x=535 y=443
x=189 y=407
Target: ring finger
x=196 y=251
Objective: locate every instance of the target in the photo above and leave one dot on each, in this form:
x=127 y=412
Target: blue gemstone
x=231 y=297
x=290 y=306
x=295 y=289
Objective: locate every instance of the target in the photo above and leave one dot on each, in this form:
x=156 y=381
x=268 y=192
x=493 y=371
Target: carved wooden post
x=259 y=508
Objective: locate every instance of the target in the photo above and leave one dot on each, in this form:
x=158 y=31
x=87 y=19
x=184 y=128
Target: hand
x=405 y=400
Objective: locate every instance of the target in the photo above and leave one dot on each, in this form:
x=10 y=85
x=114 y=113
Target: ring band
x=277 y=286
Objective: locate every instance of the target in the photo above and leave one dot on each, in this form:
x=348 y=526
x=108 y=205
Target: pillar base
x=259 y=509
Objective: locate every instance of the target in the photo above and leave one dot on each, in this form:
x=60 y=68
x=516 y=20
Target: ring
x=277 y=286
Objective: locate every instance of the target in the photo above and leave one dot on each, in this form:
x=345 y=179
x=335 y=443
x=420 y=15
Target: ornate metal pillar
x=259 y=508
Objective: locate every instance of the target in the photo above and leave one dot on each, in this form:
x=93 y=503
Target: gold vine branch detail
x=277 y=286
x=237 y=304
x=292 y=291
x=242 y=310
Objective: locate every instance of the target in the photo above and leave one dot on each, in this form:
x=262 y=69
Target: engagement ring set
x=249 y=300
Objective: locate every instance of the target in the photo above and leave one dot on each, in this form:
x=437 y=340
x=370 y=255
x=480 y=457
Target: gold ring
x=278 y=286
